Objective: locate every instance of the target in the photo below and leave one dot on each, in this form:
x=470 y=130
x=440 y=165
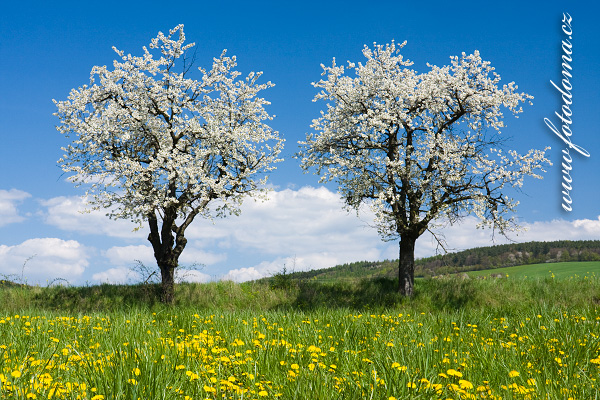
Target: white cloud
x=119 y=275
x=68 y=213
x=192 y=254
x=124 y=275
x=303 y=229
x=9 y=199
x=242 y=275
x=44 y=259
x=308 y=221
x=191 y=275
x=465 y=235
x=127 y=255
x=124 y=259
x=591 y=227
x=579 y=229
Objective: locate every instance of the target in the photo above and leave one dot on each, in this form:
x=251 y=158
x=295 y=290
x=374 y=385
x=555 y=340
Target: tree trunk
x=406 y=266
x=167 y=250
x=168 y=284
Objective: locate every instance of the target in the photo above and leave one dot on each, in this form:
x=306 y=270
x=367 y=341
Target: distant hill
x=509 y=255
x=476 y=259
x=559 y=270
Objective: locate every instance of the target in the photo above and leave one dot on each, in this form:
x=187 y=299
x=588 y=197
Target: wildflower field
x=544 y=351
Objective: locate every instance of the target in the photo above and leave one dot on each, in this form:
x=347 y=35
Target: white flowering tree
x=155 y=145
x=419 y=149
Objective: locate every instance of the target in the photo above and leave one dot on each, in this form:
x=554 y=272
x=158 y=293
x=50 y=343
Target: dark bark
x=168 y=284
x=167 y=243
x=406 y=265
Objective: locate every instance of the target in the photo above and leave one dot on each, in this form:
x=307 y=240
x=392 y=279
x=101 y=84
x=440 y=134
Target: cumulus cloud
x=301 y=229
x=308 y=229
x=579 y=229
x=127 y=255
x=465 y=235
x=242 y=275
x=119 y=275
x=124 y=275
x=191 y=275
x=38 y=260
x=9 y=199
x=194 y=255
x=309 y=222
x=68 y=213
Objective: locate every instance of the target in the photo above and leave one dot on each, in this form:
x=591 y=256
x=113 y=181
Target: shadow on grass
x=447 y=294
x=103 y=297
x=382 y=292
x=366 y=294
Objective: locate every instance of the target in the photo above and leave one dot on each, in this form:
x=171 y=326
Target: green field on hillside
x=545 y=270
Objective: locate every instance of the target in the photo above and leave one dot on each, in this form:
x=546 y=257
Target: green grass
x=534 y=338
x=560 y=270
x=546 y=352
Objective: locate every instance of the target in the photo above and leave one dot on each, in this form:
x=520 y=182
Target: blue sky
x=47 y=48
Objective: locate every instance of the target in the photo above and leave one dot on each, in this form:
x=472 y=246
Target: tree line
x=475 y=259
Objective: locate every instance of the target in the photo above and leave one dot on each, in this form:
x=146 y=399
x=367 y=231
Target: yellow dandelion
x=210 y=389
x=437 y=387
x=453 y=372
x=464 y=384
x=513 y=373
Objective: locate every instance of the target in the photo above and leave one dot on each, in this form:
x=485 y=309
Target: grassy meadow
x=509 y=338
x=540 y=271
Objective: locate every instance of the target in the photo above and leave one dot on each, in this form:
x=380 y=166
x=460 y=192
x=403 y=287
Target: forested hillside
x=481 y=258
x=508 y=255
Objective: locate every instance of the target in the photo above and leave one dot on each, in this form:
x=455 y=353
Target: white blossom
x=153 y=143
x=150 y=136
x=419 y=147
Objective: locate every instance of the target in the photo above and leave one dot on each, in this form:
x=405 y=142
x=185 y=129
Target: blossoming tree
x=419 y=149
x=155 y=145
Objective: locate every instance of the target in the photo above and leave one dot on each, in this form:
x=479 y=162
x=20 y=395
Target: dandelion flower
x=453 y=372
x=464 y=384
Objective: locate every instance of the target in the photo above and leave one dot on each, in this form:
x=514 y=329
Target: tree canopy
x=418 y=148
x=156 y=145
